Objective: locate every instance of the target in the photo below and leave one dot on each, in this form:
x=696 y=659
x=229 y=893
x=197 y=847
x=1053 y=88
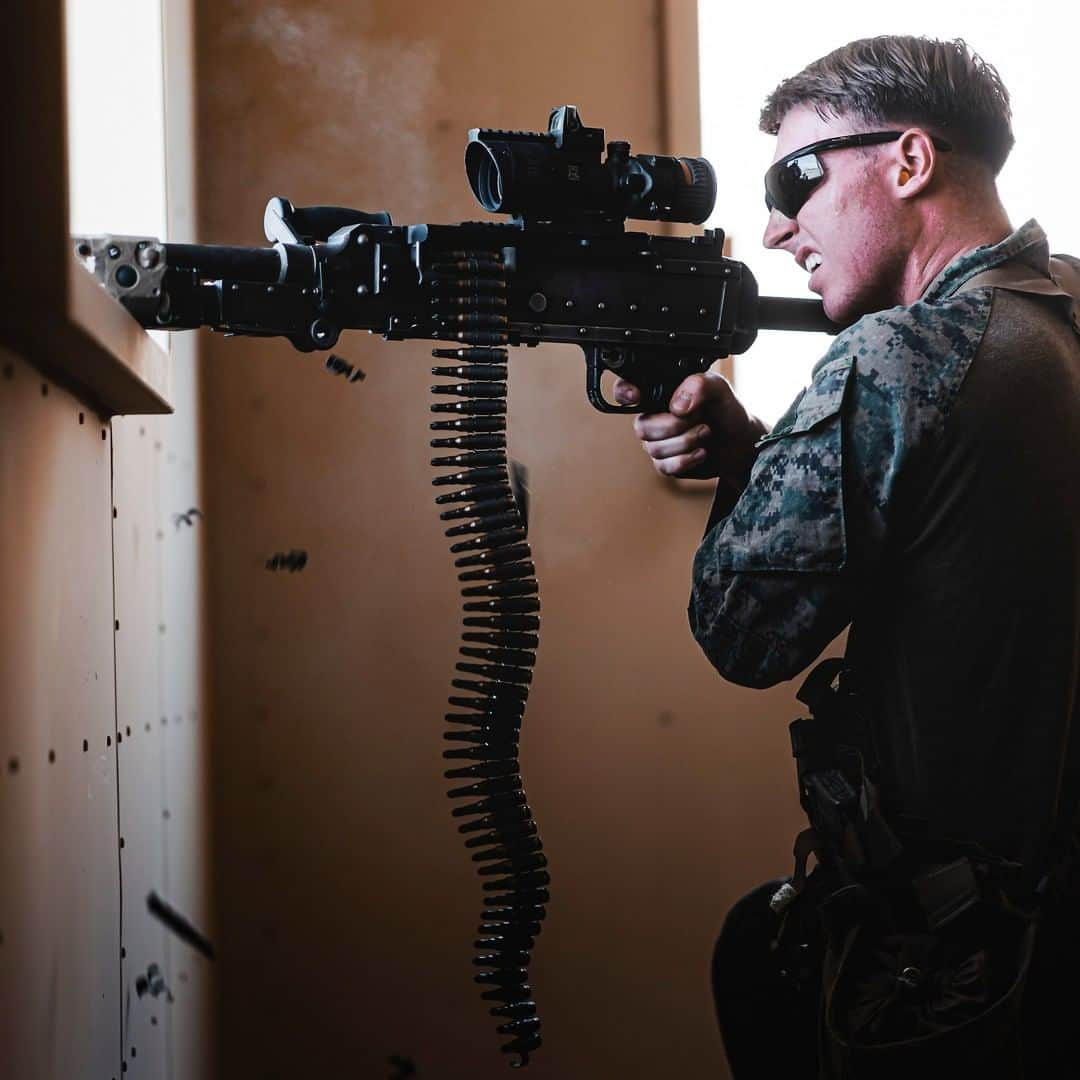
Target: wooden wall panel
x=163 y=760
x=141 y=755
x=103 y=788
x=59 y=845
x=182 y=718
x=346 y=904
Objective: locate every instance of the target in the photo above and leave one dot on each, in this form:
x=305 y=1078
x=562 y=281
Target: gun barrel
x=262 y=264
x=787 y=313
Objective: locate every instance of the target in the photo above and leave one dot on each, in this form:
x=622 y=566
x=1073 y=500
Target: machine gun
x=652 y=308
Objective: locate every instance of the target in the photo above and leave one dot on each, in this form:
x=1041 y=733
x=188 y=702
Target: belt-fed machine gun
x=652 y=308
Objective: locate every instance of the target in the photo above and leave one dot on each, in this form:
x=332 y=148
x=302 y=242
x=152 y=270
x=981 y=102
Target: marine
x=921 y=492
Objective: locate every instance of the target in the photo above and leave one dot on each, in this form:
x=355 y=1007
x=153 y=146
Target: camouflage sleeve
x=776 y=580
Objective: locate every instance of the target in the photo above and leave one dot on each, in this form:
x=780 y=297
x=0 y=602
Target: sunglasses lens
x=789 y=182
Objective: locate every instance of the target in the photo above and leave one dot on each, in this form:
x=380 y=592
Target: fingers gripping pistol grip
x=656 y=375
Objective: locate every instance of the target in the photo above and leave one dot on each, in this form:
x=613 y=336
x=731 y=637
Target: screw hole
x=82 y=418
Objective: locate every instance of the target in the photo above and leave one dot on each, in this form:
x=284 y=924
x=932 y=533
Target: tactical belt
x=856 y=848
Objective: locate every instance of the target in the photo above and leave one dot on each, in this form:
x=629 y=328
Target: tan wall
x=347 y=906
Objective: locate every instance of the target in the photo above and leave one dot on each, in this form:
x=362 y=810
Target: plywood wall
x=162 y=735
x=347 y=906
x=102 y=798
x=59 y=853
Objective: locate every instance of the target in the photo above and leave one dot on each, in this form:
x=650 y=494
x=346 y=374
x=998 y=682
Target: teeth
x=813 y=261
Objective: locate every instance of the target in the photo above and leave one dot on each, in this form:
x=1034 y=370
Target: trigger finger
x=625 y=393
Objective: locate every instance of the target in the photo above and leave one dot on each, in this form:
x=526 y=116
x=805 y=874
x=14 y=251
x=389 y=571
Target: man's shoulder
x=917 y=354
x=909 y=339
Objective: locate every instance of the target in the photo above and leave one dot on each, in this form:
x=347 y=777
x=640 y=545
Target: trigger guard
x=594 y=369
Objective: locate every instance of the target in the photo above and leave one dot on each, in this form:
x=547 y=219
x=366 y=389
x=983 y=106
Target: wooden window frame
x=53 y=312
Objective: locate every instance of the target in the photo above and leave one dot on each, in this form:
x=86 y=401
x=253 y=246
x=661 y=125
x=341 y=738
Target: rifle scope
x=559 y=176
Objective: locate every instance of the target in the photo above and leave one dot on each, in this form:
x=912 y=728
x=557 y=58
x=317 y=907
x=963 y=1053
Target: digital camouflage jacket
x=924 y=488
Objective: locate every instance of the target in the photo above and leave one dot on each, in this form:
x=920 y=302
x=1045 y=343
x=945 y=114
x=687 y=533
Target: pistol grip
x=656 y=376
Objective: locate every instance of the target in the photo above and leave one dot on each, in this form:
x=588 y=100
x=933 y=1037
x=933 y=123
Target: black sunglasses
x=789 y=181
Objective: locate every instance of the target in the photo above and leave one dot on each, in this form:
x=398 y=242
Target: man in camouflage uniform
x=923 y=489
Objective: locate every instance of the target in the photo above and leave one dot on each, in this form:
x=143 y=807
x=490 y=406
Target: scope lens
x=685 y=187
x=485 y=177
x=699 y=205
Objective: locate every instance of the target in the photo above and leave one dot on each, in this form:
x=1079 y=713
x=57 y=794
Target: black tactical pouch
x=902 y=1000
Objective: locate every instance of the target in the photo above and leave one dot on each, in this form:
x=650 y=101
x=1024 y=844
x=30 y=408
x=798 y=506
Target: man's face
x=849 y=221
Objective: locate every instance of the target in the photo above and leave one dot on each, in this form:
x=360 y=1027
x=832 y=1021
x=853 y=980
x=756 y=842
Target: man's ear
x=913 y=162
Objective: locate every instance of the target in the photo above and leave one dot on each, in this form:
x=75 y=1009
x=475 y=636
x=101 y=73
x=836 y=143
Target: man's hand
x=707 y=433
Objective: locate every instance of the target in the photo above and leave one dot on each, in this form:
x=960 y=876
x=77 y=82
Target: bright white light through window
x=746 y=51
x=116 y=119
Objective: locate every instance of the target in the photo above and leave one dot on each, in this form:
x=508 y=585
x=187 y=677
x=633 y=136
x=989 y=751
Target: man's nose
x=778 y=230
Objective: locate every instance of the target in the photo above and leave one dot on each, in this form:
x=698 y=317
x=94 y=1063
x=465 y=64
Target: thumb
x=689 y=395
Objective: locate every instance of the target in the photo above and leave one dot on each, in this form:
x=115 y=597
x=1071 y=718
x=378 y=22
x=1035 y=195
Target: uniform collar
x=1028 y=244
